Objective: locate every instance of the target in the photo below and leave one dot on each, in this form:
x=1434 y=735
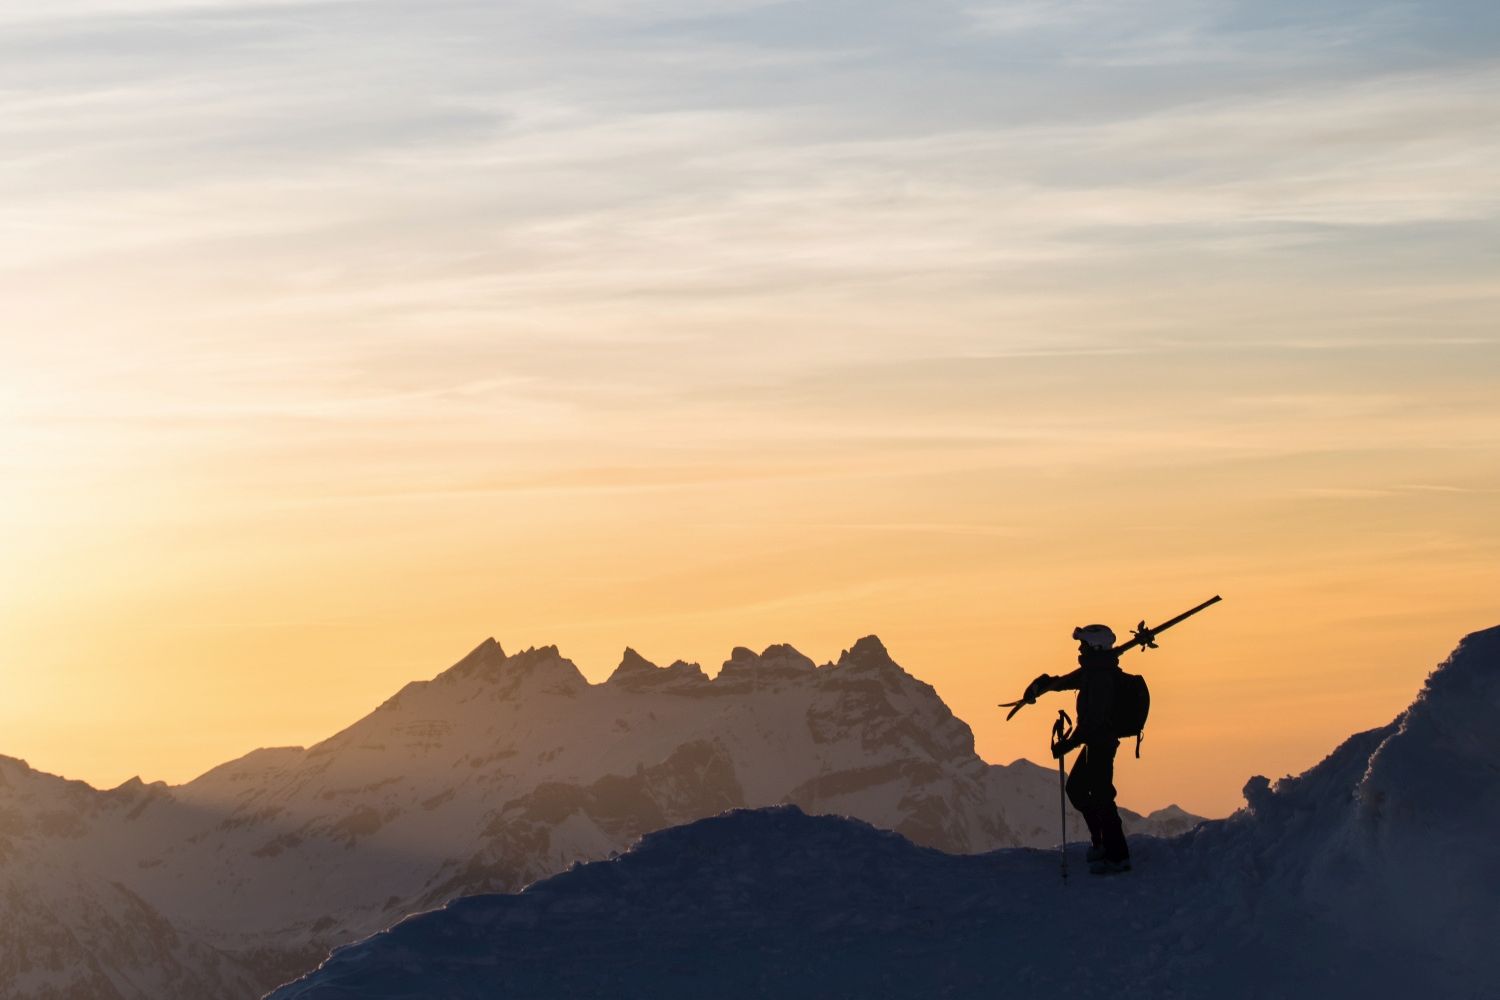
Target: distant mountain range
x=1374 y=874
x=499 y=771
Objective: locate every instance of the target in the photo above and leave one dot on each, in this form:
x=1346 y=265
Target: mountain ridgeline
x=1374 y=874
x=502 y=770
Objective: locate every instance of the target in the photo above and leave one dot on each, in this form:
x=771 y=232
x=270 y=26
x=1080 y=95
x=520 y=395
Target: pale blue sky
x=386 y=198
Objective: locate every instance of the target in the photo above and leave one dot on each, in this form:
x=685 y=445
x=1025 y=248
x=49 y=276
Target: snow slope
x=1374 y=874
x=499 y=771
x=68 y=932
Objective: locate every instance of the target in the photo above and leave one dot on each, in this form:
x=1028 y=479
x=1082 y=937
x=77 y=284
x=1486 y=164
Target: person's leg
x=1080 y=786
x=1102 y=797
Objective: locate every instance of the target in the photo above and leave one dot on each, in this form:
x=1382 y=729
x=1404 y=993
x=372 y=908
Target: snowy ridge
x=1392 y=837
x=499 y=771
x=1373 y=874
x=67 y=931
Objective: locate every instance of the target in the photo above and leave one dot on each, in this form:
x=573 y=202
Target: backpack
x=1130 y=706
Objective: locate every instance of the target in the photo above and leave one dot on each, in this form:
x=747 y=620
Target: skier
x=1091 y=784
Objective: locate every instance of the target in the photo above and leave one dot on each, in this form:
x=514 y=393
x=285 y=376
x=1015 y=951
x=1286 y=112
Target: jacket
x=1095 y=680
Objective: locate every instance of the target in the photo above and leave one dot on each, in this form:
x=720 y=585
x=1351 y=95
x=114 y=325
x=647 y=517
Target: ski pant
x=1091 y=789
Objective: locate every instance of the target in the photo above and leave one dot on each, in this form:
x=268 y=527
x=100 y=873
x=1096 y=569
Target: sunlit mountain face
x=1325 y=884
x=501 y=770
x=334 y=334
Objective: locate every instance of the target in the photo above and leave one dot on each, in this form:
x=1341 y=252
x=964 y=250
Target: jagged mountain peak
x=135 y=786
x=489 y=664
x=541 y=668
x=633 y=662
x=540 y=671
x=16 y=772
x=480 y=660
x=637 y=672
x=867 y=652
x=784 y=656
x=534 y=658
x=687 y=669
x=780 y=659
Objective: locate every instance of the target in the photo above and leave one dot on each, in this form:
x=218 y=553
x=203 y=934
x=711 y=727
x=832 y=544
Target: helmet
x=1098 y=636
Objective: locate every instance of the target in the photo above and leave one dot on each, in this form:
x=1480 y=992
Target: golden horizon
x=605 y=325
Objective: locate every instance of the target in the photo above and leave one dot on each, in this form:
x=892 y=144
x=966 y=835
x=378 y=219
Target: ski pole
x=1061 y=730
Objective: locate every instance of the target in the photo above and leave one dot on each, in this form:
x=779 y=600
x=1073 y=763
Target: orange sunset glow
x=653 y=328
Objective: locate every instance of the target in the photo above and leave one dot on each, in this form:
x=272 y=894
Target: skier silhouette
x=1091 y=784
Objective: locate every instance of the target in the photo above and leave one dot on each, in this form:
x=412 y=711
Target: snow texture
x=502 y=770
x=1374 y=874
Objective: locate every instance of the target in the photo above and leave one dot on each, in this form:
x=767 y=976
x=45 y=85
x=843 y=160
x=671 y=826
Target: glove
x=1036 y=688
x=1062 y=748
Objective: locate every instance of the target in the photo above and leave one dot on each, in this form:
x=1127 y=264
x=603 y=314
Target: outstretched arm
x=1046 y=682
x=1043 y=684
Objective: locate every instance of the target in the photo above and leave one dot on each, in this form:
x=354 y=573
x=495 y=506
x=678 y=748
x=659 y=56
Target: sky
x=340 y=336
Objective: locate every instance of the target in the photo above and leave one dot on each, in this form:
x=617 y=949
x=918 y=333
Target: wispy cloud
x=502 y=224
x=700 y=316
x=65 y=11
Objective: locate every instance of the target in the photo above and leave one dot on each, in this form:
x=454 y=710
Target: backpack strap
x=1138 y=737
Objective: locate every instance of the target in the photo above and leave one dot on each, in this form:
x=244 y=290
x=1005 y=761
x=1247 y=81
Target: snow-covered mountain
x=499 y=771
x=67 y=930
x=1374 y=874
